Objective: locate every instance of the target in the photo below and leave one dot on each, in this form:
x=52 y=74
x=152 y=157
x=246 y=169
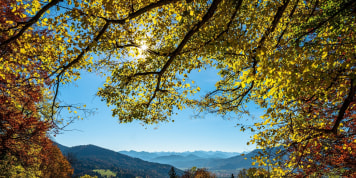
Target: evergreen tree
x=172 y=173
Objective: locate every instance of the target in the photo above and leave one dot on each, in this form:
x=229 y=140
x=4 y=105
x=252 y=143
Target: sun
x=144 y=47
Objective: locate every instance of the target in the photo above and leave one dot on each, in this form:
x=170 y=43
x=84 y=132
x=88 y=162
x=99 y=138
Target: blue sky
x=209 y=133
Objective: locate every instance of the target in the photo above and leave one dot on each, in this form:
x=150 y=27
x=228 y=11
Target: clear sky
x=209 y=132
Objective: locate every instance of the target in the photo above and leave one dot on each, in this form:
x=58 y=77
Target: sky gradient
x=209 y=132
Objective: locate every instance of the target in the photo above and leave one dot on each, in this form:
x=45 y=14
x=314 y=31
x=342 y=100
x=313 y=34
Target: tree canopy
x=25 y=112
x=294 y=58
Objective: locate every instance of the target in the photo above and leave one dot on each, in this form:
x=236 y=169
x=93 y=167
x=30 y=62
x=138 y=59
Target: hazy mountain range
x=216 y=161
x=88 y=159
x=200 y=154
x=213 y=160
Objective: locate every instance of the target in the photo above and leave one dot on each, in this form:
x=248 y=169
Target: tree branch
x=185 y=40
x=237 y=7
x=106 y=26
x=142 y=11
x=29 y=23
x=319 y=25
x=275 y=22
x=344 y=106
x=290 y=16
x=80 y=56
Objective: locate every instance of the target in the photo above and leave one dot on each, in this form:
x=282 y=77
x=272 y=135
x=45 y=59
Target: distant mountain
x=181 y=162
x=190 y=157
x=221 y=166
x=142 y=154
x=88 y=158
x=168 y=158
x=233 y=163
x=149 y=156
x=213 y=160
x=214 y=154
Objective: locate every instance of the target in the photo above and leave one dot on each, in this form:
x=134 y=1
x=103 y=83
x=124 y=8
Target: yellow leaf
x=324 y=55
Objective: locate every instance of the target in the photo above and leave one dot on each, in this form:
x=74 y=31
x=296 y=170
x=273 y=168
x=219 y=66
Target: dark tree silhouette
x=172 y=173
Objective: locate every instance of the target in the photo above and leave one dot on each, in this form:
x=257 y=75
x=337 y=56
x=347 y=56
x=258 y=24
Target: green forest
x=296 y=59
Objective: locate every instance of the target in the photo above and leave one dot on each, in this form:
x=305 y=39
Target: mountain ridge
x=203 y=154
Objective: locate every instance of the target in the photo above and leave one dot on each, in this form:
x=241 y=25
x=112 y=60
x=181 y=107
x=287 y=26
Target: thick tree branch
x=313 y=10
x=29 y=23
x=350 y=98
x=270 y=30
x=275 y=22
x=185 y=40
x=106 y=26
x=344 y=106
x=55 y=98
x=237 y=7
x=190 y=33
x=80 y=56
x=142 y=11
x=290 y=17
x=147 y=73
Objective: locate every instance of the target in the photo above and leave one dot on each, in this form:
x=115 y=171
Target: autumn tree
x=25 y=113
x=20 y=124
x=54 y=164
x=195 y=172
x=294 y=58
x=253 y=172
x=203 y=173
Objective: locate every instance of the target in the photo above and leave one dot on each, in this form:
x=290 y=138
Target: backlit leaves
x=294 y=58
